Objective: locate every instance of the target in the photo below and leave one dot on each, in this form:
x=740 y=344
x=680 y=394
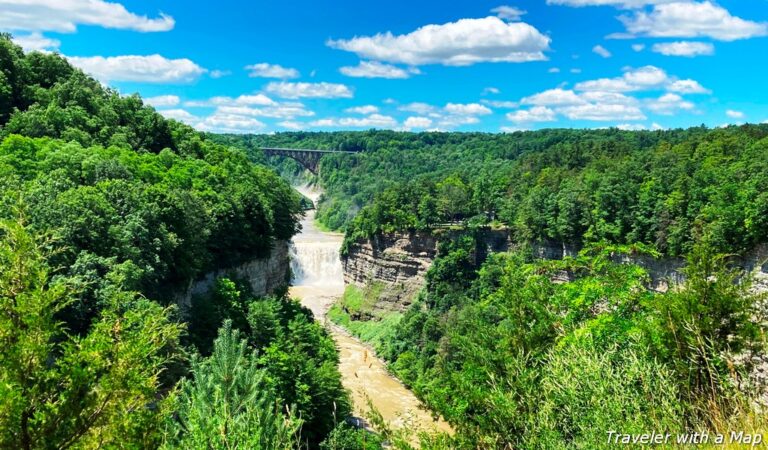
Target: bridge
x=308 y=158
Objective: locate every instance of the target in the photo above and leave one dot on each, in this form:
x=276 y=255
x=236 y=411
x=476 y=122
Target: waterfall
x=316 y=264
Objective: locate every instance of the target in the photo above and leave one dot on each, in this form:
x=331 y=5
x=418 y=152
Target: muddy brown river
x=318 y=284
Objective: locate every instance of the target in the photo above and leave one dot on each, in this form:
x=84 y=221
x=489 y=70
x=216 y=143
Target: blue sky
x=256 y=66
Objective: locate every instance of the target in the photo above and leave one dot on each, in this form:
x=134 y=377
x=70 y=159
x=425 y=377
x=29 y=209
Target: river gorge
x=318 y=283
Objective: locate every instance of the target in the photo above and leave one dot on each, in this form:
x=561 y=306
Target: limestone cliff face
x=264 y=276
x=400 y=261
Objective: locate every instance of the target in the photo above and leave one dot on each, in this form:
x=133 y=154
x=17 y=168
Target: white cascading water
x=316 y=264
x=315 y=255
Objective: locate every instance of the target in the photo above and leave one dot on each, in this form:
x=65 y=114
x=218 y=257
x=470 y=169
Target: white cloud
x=576 y=71
x=503 y=104
x=371 y=121
x=627 y=4
x=288 y=110
x=417 y=122
x=535 y=114
x=265 y=70
x=309 y=90
x=687 y=87
x=161 y=101
x=733 y=114
x=669 y=104
x=366 y=109
x=291 y=125
x=220 y=73
x=684 y=48
x=375 y=69
x=553 y=97
x=460 y=43
x=602 y=51
x=229 y=123
x=418 y=108
x=65 y=15
x=36 y=42
x=179 y=114
x=638 y=47
x=631 y=127
x=602 y=112
x=508 y=12
x=469 y=109
x=148 y=69
x=554 y=70
x=692 y=19
x=247 y=99
x=641 y=79
x=491 y=90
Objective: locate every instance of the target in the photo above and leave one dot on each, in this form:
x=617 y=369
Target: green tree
x=61 y=391
x=228 y=403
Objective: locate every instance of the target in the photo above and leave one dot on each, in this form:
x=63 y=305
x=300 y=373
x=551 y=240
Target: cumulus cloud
x=535 y=114
x=371 y=121
x=37 y=42
x=148 y=69
x=669 y=104
x=375 y=69
x=626 y=4
x=461 y=43
x=684 y=48
x=638 y=47
x=417 y=122
x=65 y=15
x=288 y=110
x=222 y=122
x=469 y=109
x=418 y=108
x=309 y=90
x=502 y=104
x=491 y=90
x=554 y=70
x=181 y=115
x=602 y=112
x=642 y=79
x=366 y=109
x=510 y=13
x=553 y=97
x=161 y=101
x=692 y=19
x=220 y=73
x=265 y=70
x=602 y=51
x=687 y=87
x=733 y=114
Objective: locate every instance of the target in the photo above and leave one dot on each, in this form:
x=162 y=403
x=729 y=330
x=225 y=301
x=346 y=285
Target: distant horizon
x=486 y=66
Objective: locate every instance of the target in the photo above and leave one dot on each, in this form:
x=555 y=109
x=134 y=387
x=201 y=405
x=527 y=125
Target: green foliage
x=513 y=358
x=58 y=390
x=228 y=403
x=669 y=189
x=346 y=437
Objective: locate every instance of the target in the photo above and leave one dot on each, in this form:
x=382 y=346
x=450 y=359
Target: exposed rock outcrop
x=400 y=261
x=263 y=274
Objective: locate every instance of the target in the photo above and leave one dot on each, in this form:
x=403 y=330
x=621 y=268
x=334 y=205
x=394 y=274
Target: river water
x=318 y=283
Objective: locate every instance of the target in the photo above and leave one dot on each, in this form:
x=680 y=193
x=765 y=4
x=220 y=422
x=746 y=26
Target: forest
x=504 y=350
x=106 y=210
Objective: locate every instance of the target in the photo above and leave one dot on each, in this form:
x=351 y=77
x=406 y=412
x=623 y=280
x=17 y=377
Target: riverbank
x=319 y=283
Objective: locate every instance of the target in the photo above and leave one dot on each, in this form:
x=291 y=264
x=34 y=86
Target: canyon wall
x=264 y=275
x=400 y=261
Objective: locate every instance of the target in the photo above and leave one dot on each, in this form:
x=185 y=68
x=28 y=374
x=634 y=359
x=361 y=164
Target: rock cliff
x=400 y=261
x=264 y=276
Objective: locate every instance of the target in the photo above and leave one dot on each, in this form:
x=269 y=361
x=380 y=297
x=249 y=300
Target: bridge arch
x=309 y=158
